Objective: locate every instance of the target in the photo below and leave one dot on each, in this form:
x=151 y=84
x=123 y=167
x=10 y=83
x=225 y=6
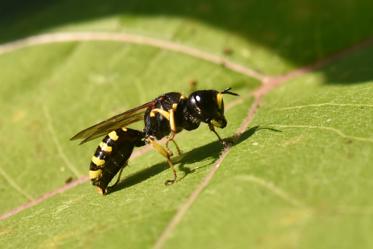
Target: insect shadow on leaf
x=210 y=150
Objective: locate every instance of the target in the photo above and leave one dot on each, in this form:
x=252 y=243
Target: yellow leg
x=164 y=113
x=170 y=116
x=179 y=152
x=173 y=130
x=167 y=154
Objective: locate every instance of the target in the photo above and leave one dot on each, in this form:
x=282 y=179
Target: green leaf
x=299 y=175
x=270 y=36
x=303 y=179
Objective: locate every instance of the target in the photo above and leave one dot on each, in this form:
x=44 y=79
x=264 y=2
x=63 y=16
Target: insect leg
x=179 y=152
x=170 y=116
x=211 y=127
x=166 y=153
x=173 y=129
x=164 y=113
x=118 y=178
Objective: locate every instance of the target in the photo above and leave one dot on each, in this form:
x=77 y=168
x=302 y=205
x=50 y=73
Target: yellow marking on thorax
x=172 y=121
x=97 y=161
x=105 y=147
x=113 y=135
x=160 y=111
x=174 y=106
x=219 y=100
x=95 y=174
x=124 y=129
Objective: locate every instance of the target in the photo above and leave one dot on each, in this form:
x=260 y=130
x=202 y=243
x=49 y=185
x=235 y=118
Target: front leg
x=212 y=128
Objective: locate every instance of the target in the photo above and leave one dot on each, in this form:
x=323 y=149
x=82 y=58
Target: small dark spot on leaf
x=69 y=179
x=228 y=51
x=348 y=141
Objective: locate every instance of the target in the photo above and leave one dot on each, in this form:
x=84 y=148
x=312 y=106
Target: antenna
x=227 y=91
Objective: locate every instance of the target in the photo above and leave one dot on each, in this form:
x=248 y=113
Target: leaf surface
x=298 y=177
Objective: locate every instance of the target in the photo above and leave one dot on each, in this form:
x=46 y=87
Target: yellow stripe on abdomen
x=105 y=147
x=113 y=135
x=95 y=174
x=97 y=161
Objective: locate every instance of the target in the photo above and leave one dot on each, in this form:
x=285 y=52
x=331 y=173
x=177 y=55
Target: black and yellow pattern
x=164 y=116
x=112 y=155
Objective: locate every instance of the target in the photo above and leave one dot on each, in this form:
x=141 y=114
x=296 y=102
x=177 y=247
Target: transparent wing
x=118 y=121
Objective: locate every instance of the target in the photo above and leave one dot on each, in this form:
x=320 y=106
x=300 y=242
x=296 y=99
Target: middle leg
x=167 y=154
x=170 y=116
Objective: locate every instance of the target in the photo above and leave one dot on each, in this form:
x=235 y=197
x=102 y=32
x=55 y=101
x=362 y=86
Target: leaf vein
x=132 y=39
x=56 y=142
x=203 y=184
x=13 y=184
x=324 y=104
x=326 y=128
x=273 y=188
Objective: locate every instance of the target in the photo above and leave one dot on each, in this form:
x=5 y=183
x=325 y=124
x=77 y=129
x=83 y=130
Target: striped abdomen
x=112 y=154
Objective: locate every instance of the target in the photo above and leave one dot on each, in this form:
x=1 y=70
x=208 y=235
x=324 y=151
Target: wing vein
x=118 y=121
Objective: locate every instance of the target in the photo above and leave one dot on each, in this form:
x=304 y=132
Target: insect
x=163 y=116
